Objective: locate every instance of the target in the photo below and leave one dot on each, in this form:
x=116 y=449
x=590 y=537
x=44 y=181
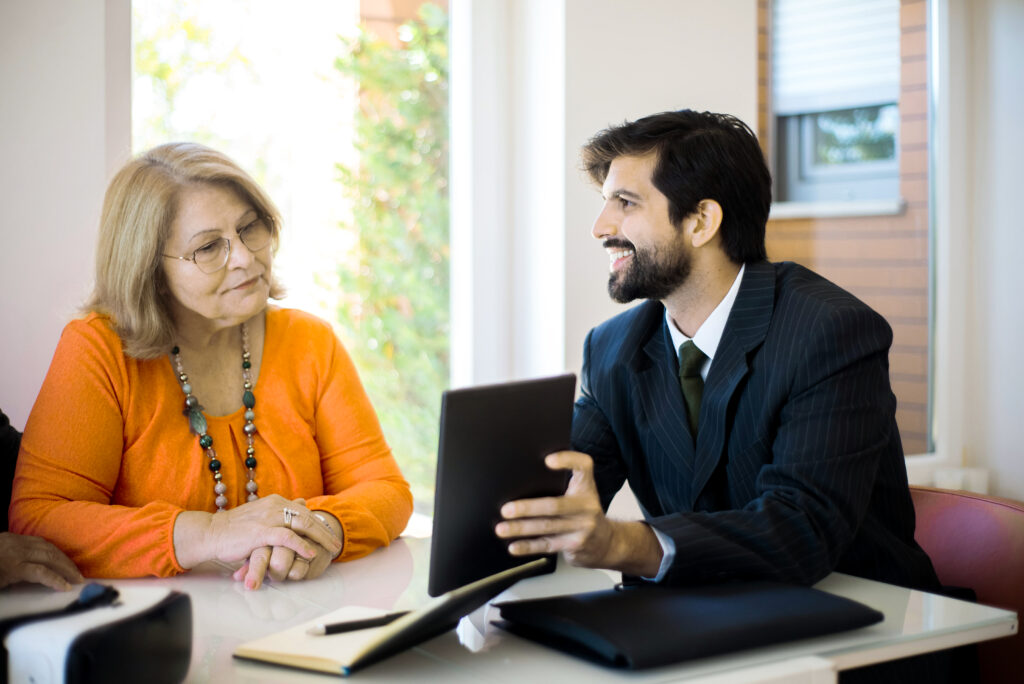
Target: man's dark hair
x=701 y=155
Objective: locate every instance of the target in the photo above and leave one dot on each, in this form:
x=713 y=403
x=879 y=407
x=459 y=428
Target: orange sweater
x=107 y=460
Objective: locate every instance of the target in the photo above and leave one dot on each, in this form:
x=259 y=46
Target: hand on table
x=575 y=525
x=33 y=559
x=234 y=535
x=281 y=562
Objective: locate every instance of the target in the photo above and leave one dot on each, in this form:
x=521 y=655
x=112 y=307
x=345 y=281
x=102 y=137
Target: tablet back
x=493 y=441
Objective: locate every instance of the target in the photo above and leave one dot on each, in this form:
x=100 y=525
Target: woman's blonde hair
x=138 y=210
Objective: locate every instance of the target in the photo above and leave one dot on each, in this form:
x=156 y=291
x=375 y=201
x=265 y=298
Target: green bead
x=246 y=365
x=250 y=462
x=214 y=465
x=197 y=421
x=248 y=399
x=206 y=441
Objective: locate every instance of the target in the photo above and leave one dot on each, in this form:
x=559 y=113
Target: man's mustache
x=612 y=243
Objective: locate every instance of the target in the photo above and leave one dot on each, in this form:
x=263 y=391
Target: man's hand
x=33 y=559
x=575 y=525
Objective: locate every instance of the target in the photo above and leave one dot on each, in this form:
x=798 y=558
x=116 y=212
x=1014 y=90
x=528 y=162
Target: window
x=866 y=141
x=344 y=120
x=835 y=81
x=843 y=155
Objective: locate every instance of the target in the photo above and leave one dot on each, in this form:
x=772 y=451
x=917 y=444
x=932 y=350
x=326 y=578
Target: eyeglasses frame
x=227 y=257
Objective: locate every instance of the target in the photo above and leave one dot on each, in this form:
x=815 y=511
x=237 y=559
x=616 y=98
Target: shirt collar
x=710 y=332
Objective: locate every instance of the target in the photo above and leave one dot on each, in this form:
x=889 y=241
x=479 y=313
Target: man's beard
x=652 y=273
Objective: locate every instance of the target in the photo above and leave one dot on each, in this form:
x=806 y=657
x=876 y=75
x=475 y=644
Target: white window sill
x=795 y=210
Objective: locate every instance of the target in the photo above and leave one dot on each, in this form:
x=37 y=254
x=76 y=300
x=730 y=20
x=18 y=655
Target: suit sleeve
x=592 y=434
x=834 y=425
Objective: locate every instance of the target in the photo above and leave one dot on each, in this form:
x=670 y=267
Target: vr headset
x=105 y=635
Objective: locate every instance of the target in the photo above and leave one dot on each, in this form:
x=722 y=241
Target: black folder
x=651 y=625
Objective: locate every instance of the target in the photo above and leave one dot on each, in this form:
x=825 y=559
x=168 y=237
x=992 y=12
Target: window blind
x=834 y=54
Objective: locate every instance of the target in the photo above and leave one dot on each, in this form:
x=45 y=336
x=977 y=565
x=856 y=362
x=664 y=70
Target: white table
x=395 y=578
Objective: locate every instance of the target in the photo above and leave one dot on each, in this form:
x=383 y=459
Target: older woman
x=183 y=419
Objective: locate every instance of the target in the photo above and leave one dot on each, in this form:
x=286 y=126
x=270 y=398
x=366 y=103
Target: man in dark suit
x=776 y=455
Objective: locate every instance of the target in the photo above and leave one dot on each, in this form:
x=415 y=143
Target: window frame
x=949 y=171
x=800 y=179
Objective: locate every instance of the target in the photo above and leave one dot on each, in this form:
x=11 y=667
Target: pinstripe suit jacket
x=797 y=469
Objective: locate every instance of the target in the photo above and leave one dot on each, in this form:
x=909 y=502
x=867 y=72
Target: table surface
x=395 y=578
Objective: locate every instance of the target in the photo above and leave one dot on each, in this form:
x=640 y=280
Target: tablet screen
x=493 y=441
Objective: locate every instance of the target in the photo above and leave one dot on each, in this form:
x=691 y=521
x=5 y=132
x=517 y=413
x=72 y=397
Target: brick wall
x=383 y=17
x=881 y=259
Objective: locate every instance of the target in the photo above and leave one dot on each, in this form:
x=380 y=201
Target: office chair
x=977 y=541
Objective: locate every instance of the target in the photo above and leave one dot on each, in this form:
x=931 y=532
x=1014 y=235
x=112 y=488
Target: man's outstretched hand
x=575 y=525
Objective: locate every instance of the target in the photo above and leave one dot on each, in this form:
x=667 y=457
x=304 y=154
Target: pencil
x=353 y=625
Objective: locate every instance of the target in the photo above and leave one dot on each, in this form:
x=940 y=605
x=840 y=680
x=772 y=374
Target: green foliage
x=856 y=135
x=173 y=52
x=394 y=311
x=194 y=76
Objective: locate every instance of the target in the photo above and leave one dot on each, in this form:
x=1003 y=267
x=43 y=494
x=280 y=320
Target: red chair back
x=977 y=541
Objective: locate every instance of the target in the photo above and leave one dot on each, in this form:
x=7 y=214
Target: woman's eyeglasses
x=212 y=256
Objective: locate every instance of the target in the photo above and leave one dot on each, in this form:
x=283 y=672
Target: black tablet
x=493 y=441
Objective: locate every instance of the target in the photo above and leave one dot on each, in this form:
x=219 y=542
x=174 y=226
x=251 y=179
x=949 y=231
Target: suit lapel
x=657 y=385
x=744 y=331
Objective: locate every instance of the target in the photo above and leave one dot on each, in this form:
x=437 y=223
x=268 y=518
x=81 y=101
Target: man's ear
x=708 y=220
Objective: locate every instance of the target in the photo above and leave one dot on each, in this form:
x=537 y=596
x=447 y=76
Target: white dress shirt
x=707 y=337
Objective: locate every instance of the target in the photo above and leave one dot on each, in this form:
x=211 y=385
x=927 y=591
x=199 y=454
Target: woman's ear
x=708 y=221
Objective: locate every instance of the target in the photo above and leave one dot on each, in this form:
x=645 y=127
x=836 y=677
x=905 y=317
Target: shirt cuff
x=668 y=554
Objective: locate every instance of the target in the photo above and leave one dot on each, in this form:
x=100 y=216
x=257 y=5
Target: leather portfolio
x=650 y=625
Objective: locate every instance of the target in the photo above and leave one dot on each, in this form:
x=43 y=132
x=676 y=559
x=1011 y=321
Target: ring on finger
x=289 y=515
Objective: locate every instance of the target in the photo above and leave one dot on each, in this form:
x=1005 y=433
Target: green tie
x=690 y=361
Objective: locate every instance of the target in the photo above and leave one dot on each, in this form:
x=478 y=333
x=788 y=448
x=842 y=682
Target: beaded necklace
x=197 y=424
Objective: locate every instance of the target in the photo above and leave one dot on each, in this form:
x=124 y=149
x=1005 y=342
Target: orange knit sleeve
x=365 y=488
x=70 y=461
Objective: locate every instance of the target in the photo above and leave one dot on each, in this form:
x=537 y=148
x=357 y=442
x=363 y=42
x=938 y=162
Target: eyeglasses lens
x=213 y=256
x=256 y=235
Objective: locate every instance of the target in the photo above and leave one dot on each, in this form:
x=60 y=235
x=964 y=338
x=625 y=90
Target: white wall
x=532 y=81
x=624 y=61
x=994 y=418
x=978 y=159
x=62 y=131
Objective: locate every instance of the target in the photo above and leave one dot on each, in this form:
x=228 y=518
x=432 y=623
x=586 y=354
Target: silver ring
x=289 y=513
